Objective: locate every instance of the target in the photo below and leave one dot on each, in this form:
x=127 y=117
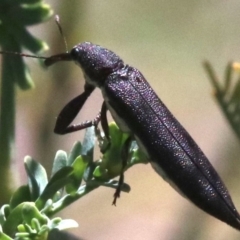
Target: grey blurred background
x=167 y=41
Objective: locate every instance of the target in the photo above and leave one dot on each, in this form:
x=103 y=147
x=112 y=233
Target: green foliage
x=15 y=16
x=227 y=95
x=14 y=36
x=28 y=215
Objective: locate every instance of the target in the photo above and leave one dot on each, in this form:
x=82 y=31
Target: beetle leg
x=124 y=156
x=70 y=111
x=104 y=141
x=83 y=125
x=104 y=121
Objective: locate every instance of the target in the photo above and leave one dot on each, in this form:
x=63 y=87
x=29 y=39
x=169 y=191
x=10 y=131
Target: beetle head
x=96 y=62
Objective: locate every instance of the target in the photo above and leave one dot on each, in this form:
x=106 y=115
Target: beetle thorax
x=96 y=62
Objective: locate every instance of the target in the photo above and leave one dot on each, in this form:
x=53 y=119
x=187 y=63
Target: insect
x=138 y=110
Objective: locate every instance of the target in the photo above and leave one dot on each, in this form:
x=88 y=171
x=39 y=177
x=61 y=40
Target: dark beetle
x=137 y=110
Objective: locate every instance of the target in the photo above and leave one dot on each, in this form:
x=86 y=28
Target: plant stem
x=7 y=123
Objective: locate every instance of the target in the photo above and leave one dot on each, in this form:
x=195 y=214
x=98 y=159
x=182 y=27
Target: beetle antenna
x=57 y=20
x=48 y=60
x=22 y=54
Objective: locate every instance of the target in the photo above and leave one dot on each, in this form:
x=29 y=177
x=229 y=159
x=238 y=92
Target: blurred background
x=167 y=41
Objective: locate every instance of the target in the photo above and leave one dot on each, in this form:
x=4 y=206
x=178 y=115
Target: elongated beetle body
x=137 y=110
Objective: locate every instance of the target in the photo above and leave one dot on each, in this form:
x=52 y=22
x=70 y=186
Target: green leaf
x=34 y=13
x=4 y=236
x=228 y=97
x=228 y=76
x=89 y=170
x=75 y=152
x=21 y=73
x=60 y=161
x=30 y=211
x=62 y=173
x=88 y=143
x=79 y=166
x=111 y=165
x=22 y=194
x=58 y=181
x=137 y=155
x=236 y=93
x=37 y=177
x=31 y=43
x=13 y=220
x=99 y=172
x=23 y=37
x=213 y=77
x=36 y=224
x=65 y=224
x=4 y=213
